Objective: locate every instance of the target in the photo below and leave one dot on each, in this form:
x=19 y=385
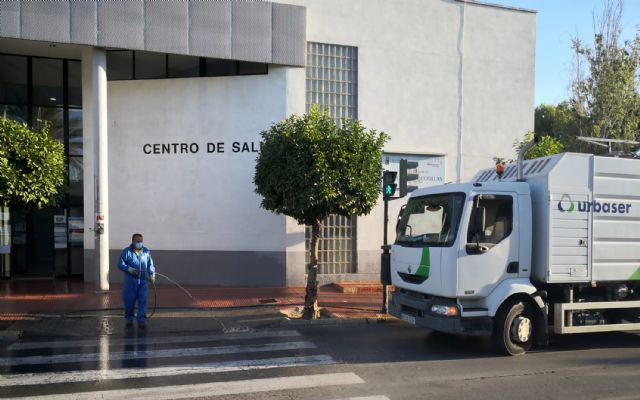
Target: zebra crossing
x=138 y=367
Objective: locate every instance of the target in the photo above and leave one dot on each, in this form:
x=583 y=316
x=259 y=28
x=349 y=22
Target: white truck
x=551 y=245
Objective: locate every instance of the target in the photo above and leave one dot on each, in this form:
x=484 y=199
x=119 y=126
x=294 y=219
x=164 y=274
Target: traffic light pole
x=385 y=261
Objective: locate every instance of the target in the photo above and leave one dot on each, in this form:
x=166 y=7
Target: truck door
x=490 y=253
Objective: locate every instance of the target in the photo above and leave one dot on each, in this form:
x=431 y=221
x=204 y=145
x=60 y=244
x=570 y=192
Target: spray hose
x=155 y=300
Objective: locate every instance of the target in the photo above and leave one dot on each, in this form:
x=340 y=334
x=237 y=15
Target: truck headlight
x=449 y=311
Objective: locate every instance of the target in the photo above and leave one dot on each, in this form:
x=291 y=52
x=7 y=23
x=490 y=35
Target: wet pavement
x=60 y=339
x=69 y=348
x=52 y=306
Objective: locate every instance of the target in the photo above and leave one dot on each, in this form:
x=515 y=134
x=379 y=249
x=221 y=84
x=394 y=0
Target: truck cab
x=460 y=250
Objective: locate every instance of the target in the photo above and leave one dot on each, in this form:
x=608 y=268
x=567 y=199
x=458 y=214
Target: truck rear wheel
x=513 y=331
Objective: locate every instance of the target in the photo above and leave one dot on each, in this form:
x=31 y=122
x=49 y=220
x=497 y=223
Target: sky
x=557 y=22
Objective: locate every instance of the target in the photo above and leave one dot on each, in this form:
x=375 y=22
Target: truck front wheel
x=513 y=330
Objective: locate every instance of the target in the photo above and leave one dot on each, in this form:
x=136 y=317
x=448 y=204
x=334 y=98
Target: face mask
x=139 y=245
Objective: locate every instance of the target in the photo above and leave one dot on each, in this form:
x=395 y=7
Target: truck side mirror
x=479 y=220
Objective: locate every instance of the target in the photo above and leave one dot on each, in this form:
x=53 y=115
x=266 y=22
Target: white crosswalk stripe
x=130 y=373
x=216 y=388
x=152 y=340
x=147 y=354
x=31 y=369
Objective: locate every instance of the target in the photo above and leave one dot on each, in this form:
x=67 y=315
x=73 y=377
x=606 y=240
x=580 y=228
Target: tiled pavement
x=23 y=299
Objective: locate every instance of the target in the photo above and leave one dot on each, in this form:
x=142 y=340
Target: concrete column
x=95 y=127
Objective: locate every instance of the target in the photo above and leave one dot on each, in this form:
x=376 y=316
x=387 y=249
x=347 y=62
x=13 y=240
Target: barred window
x=332 y=84
x=332 y=79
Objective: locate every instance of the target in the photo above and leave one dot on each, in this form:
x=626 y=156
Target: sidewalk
x=26 y=299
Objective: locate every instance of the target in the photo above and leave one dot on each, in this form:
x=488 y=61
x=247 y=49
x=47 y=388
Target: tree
x=547 y=146
x=309 y=168
x=604 y=91
x=559 y=121
x=32 y=165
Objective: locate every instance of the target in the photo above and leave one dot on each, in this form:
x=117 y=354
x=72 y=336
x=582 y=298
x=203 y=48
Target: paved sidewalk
x=24 y=299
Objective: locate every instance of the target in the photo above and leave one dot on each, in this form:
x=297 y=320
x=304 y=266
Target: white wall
x=416 y=60
x=202 y=201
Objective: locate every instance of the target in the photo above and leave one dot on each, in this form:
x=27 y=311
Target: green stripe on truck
x=425 y=263
x=636 y=275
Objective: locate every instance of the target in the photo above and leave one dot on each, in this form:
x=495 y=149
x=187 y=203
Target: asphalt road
x=374 y=361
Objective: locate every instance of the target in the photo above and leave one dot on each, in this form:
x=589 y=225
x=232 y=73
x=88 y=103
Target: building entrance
x=33 y=252
x=41 y=91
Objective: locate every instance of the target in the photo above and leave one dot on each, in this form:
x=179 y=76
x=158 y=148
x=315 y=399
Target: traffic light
x=389 y=184
x=408 y=181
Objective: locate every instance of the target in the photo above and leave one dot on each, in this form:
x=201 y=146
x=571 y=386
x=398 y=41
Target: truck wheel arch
x=522 y=290
x=507 y=289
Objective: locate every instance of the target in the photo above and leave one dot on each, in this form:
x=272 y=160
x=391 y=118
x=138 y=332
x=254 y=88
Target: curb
x=336 y=321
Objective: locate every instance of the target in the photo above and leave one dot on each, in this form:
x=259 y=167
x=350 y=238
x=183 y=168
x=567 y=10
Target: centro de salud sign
x=195 y=148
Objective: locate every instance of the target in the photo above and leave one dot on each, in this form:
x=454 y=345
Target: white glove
x=132 y=271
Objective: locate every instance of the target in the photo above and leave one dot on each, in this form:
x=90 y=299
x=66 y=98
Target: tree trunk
x=311 y=310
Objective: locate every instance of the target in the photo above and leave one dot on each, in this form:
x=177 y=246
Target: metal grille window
x=332 y=84
x=332 y=79
x=336 y=251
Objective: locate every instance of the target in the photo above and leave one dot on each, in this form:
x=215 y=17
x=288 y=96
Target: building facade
x=165 y=101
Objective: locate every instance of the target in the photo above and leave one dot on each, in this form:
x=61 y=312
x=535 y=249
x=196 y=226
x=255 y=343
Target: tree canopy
x=547 y=146
x=604 y=99
x=309 y=168
x=32 y=165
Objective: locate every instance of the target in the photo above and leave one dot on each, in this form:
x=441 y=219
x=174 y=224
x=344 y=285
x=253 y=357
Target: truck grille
x=416 y=280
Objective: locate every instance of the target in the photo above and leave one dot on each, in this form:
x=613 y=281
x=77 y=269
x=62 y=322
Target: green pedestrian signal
x=389 y=189
x=389 y=184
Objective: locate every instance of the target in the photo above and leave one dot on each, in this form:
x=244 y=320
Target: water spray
x=224 y=327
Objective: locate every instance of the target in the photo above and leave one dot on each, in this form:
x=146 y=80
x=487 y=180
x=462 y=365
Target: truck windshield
x=431 y=220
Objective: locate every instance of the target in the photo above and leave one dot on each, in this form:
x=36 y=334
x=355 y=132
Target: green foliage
x=560 y=122
x=604 y=92
x=309 y=168
x=32 y=165
x=547 y=146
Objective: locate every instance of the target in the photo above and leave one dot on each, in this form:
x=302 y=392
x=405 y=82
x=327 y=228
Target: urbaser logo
x=567 y=205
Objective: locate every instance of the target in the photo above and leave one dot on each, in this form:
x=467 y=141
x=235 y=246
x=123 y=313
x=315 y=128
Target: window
x=16 y=113
x=75 y=83
x=129 y=65
x=332 y=84
x=53 y=117
x=498 y=210
x=13 y=79
x=119 y=65
x=336 y=253
x=55 y=99
x=251 y=68
x=217 y=67
x=150 y=65
x=47 y=82
x=332 y=79
x=183 y=66
x=430 y=221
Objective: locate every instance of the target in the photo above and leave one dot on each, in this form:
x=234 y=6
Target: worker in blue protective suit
x=137 y=265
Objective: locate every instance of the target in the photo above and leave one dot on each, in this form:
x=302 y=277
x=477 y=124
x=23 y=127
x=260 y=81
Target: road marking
x=215 y=388
x=152 y=340
x=131 y=373
x=142 y=354
x=368 y=398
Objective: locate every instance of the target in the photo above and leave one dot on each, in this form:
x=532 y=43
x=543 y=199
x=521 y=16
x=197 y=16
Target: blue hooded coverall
x=136 y=287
